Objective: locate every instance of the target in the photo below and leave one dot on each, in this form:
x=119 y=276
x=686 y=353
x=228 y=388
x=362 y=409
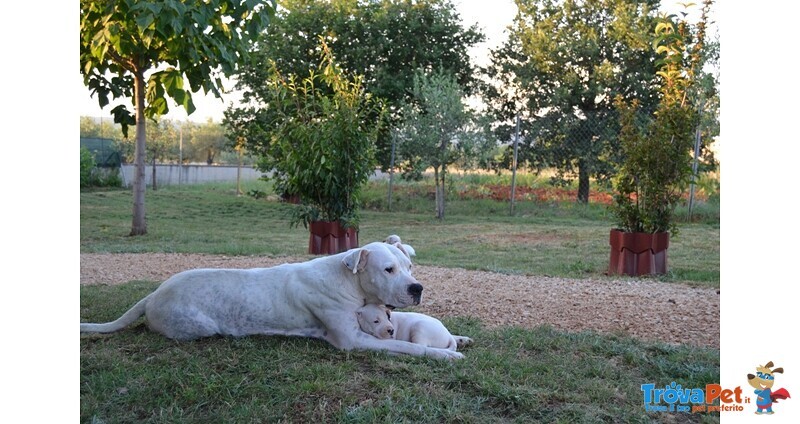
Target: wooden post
x=391 y=171
x=239 y=171
x=514 y=169
x=694 y=171
x=180 y=154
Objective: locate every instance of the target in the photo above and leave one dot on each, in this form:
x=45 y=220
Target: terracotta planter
x=290 y=198
x=328 y=238
x=638 y=253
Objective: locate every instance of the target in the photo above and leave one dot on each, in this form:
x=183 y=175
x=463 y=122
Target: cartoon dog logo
x=762 y=382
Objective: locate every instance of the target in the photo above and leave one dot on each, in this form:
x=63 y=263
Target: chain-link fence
x=105 y=153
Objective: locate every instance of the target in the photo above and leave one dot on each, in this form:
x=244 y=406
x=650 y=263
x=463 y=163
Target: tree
x=162 y=136
x=560 y=69
x=93 y=128
x=436 y=129
x=207 y=141
x=321 y=140
x=384 y=40
x=144 y=50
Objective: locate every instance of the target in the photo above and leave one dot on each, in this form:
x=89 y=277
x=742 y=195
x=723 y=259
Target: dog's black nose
x=391 y=331
x=415 y=290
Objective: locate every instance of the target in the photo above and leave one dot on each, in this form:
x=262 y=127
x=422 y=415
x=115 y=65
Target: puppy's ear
x=779 y=369
x=401 y=247
x=388 y=313
x=356 y=260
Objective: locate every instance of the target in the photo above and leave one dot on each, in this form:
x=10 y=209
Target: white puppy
x=394 y=239
x=413 y=327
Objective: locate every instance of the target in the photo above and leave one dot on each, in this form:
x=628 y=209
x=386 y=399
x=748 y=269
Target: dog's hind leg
x=184 y=323
x=126 y=319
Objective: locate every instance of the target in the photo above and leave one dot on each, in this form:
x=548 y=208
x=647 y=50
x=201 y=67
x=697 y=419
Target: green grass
x=542 y=238
x=509 y=375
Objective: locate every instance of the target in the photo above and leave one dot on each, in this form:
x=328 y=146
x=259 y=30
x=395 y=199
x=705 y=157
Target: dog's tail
x=126 y=319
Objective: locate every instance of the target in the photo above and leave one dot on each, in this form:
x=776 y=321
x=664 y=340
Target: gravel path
x=650 y=310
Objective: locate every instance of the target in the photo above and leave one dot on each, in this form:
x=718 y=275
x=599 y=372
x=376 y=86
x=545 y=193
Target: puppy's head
x=374 y=320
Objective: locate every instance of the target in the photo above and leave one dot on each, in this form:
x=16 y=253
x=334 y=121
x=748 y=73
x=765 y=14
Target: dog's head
x=765 y=376
x=384 y=274
x=374 y=320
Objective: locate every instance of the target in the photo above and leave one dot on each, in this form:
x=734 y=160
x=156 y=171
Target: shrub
x=88 y=168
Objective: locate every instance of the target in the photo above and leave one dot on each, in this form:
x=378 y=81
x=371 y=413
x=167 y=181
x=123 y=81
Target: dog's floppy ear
x=356 y=260
x=409 y=250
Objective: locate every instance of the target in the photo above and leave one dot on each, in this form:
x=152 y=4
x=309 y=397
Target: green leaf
x=144 y=21
x=157 y=107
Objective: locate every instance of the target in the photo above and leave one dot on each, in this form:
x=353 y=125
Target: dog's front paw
x=443 y=354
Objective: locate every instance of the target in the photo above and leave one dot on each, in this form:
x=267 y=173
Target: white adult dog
x=413 y=327
x=317 y=298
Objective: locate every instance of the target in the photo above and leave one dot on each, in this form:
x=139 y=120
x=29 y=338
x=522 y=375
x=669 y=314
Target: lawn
x=509 y=375
x=556 y=238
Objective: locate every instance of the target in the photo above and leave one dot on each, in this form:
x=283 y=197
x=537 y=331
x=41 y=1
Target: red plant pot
x=328 y=238
x=293 y=199
x=638 y=253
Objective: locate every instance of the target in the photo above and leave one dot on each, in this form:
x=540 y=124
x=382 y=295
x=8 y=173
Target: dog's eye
x=377 y=321
x=390 y=269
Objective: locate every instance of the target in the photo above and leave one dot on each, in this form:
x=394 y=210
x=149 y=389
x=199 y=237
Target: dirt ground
x=650 y=310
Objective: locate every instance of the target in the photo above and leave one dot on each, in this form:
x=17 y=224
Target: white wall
x=189 y=174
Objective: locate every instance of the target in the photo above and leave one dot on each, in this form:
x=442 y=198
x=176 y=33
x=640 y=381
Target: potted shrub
x=320 y=146
x=656 y=165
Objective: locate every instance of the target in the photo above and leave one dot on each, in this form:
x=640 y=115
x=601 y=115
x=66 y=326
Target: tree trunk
x=438 y=194
x=139 y=226
x=583 y=183
x=239 y=173
x=155 y=187
x=441 y=196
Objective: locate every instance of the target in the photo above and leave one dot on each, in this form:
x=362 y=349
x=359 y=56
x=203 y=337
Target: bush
x=321 y=141
x=88 y=167
x=92 y=176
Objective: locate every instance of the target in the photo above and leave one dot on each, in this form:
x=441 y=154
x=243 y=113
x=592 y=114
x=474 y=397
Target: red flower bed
x=538 y=194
